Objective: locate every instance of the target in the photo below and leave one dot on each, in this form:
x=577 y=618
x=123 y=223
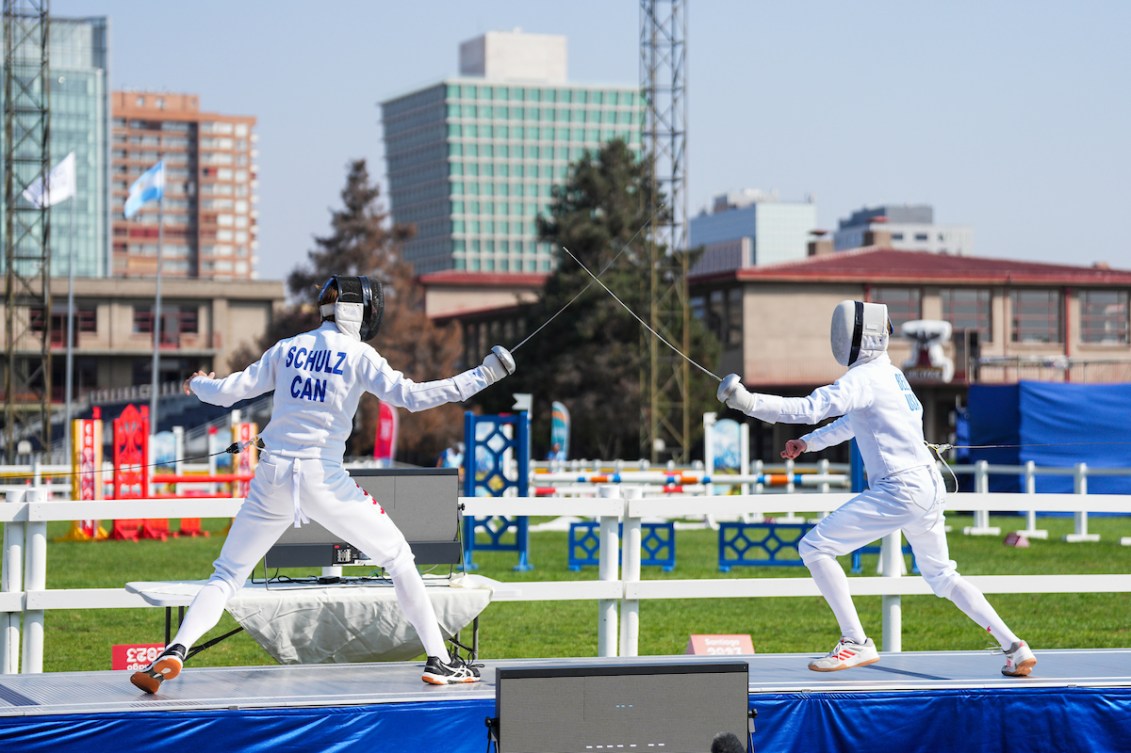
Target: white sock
x=973 y=603
x=833 y=585
x=203 y=614
x=412 y=597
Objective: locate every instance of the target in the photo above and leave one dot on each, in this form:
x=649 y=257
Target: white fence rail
x=25 y=597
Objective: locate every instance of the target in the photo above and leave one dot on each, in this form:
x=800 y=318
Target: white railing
x=24 y=593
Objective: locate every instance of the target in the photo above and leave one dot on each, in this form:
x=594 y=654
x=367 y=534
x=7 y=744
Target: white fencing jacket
x=318 y=378
x=876 y=406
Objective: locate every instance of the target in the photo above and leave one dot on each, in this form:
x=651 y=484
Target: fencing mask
x=859 y=329
x=359 y=306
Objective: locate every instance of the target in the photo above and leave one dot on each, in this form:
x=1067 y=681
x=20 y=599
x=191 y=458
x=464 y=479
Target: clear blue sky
x=1009 y=116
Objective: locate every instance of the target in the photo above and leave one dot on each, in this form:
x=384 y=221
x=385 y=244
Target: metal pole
x=154 y=380
x=68 y=415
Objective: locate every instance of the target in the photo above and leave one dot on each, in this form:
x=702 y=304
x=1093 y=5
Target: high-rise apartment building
x=471 y=160
x=208 y=212
x=79 y=102
x=907 y=227
x=751 y=228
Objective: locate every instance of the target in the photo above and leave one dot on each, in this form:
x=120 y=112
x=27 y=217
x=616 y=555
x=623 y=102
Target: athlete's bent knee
x=942 y=583
x=403 y=562
x=810 y=551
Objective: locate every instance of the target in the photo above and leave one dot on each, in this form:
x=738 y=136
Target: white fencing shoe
x=1019 y=660
x=845 y=655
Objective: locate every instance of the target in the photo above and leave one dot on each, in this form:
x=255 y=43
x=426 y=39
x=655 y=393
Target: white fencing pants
x=911 y=501
x=286 y=491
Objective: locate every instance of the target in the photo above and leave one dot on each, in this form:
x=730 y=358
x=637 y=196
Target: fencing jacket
x=318 y=378
x=876 y=406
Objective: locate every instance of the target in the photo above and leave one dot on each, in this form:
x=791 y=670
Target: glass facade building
x=471 y=162
x=79 y=122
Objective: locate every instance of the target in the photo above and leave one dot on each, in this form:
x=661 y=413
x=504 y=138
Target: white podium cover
x=339 y=623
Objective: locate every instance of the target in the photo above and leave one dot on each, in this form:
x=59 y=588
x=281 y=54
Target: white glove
x=734 y=395
x=498 y=364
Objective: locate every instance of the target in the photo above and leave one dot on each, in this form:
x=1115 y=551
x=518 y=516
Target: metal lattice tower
x=665 y=400
x=27 y=228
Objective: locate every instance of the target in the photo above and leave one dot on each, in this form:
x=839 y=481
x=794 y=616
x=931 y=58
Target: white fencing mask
x=859 y=329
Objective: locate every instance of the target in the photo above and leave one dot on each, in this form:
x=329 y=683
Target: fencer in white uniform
x=876 y=406
x=318 y=378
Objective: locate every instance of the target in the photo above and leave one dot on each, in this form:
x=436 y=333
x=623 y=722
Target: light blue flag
x=149 y=187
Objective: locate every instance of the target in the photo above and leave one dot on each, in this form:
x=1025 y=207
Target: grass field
x=82 y=639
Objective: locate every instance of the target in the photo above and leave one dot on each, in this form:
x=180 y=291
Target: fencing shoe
x=1019 y=660
x=845 y=655
x=456 y=670
x=165 y=667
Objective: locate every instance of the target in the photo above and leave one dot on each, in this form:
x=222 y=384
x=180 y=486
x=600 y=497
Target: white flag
x=149 y=187
x=59 y=185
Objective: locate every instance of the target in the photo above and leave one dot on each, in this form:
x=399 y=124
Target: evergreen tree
x=589 y=356
x=363 y=241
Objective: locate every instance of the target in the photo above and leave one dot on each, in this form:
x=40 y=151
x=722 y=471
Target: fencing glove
x=498 y=364
x=734 y=395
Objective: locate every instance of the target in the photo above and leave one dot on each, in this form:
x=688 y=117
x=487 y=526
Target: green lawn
x=81 y=639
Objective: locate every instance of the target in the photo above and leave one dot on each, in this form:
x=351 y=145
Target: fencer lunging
x=318 y=378
x=877 y=407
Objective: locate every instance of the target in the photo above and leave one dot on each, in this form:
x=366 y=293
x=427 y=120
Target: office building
x=208 y=212
x=79 y=122
x=750 y=228
x=472 y=159
x=906 y=227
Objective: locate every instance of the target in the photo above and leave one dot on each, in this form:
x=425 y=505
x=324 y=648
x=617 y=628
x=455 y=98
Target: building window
x=734 y=318
x=904 y=304
x=86 y=321
x=1104 y=316
x=174 y=322
x=1036 y=316
x=968 y=309
x=721 y=313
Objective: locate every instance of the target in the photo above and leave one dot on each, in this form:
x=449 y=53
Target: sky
x=1010 y=117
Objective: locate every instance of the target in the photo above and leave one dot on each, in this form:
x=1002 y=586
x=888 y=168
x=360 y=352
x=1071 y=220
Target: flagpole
x=157 y=316
x=70 y=333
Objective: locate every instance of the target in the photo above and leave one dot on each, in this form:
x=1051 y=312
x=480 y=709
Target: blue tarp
x=973 y=720
x=1055 y=425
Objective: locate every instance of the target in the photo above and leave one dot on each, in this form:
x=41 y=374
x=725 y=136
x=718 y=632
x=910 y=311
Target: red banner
x=86 y=478
x=385 y=445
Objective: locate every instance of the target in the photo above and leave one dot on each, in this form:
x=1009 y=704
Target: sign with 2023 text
x=134 y=656
x=720 y=645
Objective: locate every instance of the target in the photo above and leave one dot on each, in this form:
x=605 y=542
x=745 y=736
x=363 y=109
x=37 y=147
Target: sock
x=974 y=604
x=412 y=597
x=833 y=585
x=203 y=614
